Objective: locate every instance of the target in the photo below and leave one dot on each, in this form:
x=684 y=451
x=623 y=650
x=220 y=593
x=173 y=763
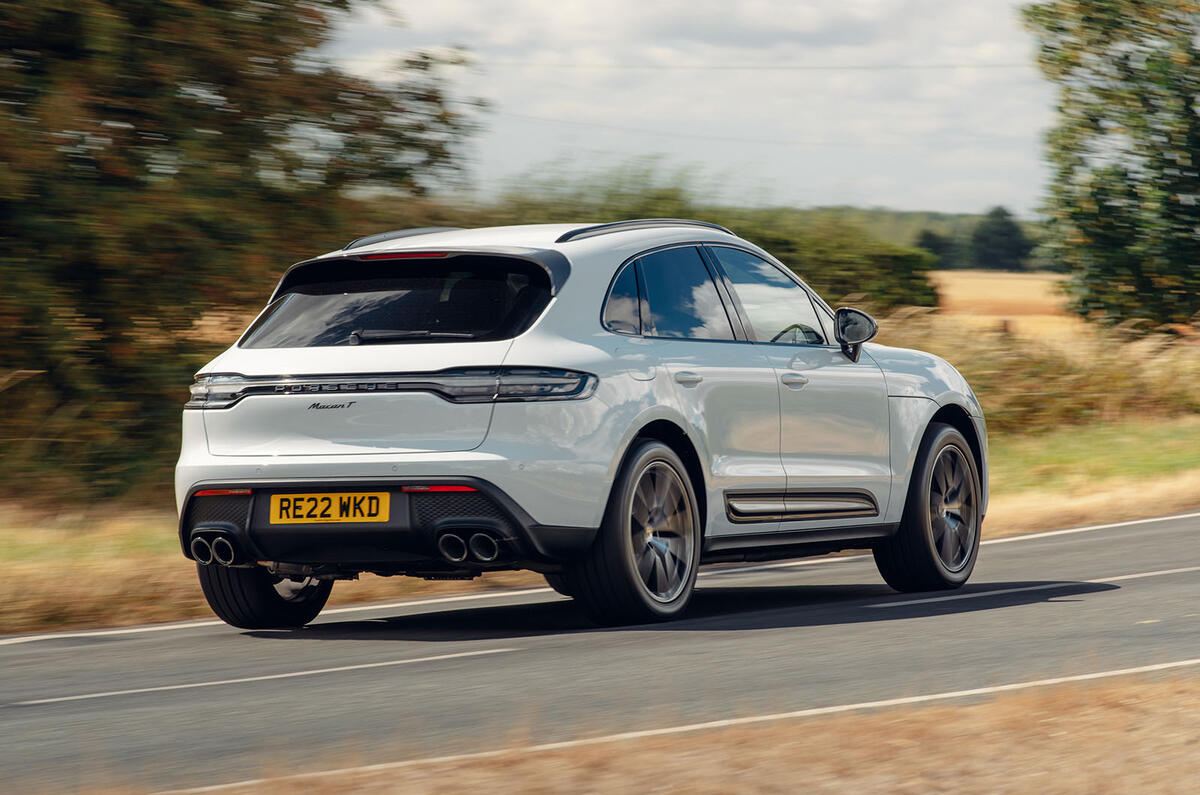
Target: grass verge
x=110 y=565
x=1128 y=736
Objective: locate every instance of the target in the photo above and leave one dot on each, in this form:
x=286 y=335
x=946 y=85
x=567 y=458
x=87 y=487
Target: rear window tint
x=621 y=312
x=457 y=300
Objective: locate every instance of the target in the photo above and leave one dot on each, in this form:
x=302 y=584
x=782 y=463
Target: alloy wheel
x=661 y=534
x=953 y=513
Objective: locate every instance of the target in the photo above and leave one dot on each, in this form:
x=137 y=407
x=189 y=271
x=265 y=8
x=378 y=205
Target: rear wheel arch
x=677 y=439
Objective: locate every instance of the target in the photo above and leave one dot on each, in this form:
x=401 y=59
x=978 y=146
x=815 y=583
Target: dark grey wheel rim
x=952 y=508
x=661 y=532
x=295 y=590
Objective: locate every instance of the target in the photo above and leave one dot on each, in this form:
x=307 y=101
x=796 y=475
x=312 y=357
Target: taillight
x=464 y=385
x=528 y=383
x=216 y=391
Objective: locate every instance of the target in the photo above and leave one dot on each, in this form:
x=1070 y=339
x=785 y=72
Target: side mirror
x=852 y=328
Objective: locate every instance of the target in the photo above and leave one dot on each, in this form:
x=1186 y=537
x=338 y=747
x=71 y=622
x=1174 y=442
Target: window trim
x=818 y=304
x=646 y=324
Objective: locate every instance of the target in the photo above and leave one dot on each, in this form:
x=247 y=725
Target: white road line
x=528 y=591
x=99 y=633
x=1090 y=528
x=243 y=680
x=706 y=726
x=1048 y=586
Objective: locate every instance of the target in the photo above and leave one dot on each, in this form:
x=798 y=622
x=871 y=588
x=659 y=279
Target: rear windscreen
x=368 y=303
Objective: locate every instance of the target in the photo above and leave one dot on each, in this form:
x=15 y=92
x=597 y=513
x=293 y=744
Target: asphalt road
x=458 y=676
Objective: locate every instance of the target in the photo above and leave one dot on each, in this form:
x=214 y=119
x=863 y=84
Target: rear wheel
x=559 y=583
x=643 y=564
x=256 y=599
x=938 y=540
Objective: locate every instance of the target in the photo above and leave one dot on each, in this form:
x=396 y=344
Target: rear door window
x=361 y=303
x=682 y=298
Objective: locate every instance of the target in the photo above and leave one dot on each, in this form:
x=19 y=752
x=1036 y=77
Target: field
x=1083 y=429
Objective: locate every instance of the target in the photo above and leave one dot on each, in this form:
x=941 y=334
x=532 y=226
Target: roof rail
x=397 y=234
x=639 y=223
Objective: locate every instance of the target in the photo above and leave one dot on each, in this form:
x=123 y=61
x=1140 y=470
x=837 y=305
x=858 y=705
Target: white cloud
x=941 y=139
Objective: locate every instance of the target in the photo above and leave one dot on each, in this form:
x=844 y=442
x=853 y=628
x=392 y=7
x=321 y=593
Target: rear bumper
x=405 y=543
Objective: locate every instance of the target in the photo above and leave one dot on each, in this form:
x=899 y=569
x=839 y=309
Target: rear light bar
x=463 y=385
x=220 y=492
x=437 y=488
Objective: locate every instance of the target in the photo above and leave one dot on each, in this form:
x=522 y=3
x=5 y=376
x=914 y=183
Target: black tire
x=935 y=551
x=559 y=582
x=249 y=598
x=608 y=583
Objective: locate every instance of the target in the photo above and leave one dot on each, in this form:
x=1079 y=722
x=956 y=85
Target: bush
x=1029 y=386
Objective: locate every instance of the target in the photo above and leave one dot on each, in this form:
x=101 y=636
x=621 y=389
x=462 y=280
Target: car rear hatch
x=356 y=357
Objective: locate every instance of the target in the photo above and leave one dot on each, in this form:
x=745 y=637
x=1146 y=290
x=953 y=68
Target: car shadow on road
x=713 y=609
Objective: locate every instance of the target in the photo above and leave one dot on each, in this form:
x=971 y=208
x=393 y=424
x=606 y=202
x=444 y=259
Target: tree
x=939 y=246
x=156 y=157
x=998 y=243
x=1124 y=204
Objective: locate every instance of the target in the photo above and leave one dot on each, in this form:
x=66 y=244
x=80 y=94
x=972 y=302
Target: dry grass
x=1128 y=736
x=1109 y=501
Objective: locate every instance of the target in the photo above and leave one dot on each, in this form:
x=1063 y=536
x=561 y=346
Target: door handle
x=793 y=380
x=688 y=379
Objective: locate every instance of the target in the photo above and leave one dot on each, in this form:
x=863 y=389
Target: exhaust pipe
x=484 y=548
x=452 y=547
x=223 y=551
x=201 y=550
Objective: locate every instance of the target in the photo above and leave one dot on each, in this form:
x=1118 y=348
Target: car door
x=724 y=386
x=834 y=419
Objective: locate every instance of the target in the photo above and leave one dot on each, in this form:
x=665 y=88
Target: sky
x=907 y=104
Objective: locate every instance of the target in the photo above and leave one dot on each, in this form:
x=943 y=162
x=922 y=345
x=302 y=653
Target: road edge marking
x=696 y=727
x=333 y=611
x=265 y=677
x=1088 y=528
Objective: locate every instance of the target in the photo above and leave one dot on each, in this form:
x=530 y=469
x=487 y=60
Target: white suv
x=609 y=405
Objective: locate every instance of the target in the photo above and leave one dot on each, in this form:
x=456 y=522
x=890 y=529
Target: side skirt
x=793 y=543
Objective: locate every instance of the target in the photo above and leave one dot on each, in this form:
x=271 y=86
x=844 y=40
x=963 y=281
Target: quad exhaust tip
x=484 y=547
x=201 y=550
x=452 y=547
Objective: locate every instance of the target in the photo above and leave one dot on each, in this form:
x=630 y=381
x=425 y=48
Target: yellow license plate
x=362 y=506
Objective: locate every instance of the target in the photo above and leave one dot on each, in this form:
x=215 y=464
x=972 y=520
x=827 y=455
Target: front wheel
x=256 y=599
x=643 y=564
x=938 y=540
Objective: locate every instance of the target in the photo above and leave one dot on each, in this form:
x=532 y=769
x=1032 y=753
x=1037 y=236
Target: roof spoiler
x=638 y=223
x=396 y=234
x=555 y=265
